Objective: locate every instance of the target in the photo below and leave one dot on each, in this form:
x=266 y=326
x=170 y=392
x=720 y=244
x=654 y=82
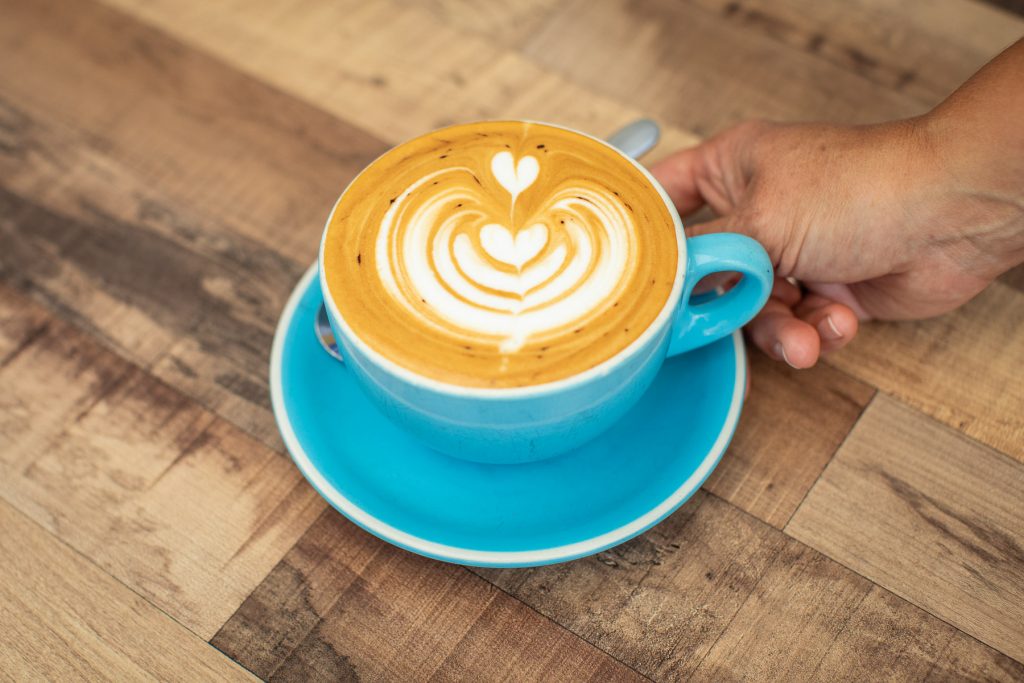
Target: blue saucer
x=538 y=513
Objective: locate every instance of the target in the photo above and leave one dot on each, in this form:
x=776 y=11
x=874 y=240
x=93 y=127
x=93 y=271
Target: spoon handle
x=637 y=138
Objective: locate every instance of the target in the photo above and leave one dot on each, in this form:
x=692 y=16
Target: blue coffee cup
x=523 y=424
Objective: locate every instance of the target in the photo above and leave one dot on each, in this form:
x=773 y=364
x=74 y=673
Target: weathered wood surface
x=181 y=506
x=343 y=604
x=904 y=495
x=165 y=169
x=63 y=618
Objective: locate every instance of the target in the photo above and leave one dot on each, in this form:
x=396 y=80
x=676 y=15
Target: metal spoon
x=324 y=333
x=635 y=140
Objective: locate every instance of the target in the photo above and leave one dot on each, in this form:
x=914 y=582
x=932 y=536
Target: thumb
x=678 y=174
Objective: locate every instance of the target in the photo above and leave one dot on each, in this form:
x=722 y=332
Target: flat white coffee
x=500 y=254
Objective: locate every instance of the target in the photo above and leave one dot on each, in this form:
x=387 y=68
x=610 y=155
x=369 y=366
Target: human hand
x=870 y=220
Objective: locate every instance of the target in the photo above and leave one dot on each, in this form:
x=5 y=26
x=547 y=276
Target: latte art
x=485 y=270
x=500 y=254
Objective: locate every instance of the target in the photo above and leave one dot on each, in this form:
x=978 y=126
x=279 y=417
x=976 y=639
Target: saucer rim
x=470 y=556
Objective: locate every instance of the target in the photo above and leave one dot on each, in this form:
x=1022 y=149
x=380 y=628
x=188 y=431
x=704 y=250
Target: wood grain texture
x=919 y=48
x=232 y=150
x=686 y=65
x=34 y=410
x=932 y=516
x=963 y=369
x=810 y=618
x=970 y=660
x=65 y=619
x=182 y=272
x=343 y=605
x=21 y=323
x=715 y=594
x=408 y=68
x=1015 y=6
x=508 y=23
x=658 y=602
x=135 y=476
x=790 y=620
x=791 y=425
x=887 y=639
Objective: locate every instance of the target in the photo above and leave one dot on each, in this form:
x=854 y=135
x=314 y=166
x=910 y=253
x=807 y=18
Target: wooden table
x=165 y=169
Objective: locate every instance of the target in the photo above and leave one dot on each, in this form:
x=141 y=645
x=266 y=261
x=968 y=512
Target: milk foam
x=445 y=258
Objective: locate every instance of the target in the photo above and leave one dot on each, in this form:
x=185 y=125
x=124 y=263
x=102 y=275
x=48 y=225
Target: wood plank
x=196 y=132
x=791 y=425
x=345 y=605
x=927 y=513
x=20 y=324
x=1015 y=6
x=105 y=220
x=788 y=622
x=32 y=411
x=509 y=23
x=658 y=602
x=137 y=477
x=917 y=47
x=115 y=277
x=693 y=69
x=809 y=618
x=715 y=594
x=963 y=369
x=63 y=619
x=886 y=638
x=406 y=68
x=969 y=660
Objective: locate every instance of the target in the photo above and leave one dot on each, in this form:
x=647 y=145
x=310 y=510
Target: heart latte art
x=500 y=254
x=485 y=272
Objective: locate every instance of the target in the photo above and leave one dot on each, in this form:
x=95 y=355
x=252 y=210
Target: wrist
x=974 y=182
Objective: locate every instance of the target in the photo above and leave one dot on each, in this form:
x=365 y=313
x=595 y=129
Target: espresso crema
x=500 y=254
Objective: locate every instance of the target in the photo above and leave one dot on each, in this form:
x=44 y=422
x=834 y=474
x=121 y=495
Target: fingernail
x=780 y=351
x=828 y=330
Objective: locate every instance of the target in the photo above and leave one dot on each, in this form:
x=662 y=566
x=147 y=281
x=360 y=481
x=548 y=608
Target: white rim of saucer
x=492 y=558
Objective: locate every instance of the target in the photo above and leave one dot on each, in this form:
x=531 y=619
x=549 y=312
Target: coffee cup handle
x=697 y=324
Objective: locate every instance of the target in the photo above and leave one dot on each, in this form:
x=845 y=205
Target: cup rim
x=665 y=316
